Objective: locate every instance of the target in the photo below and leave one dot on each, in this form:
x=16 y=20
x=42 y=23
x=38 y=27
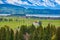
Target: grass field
x=26 y=21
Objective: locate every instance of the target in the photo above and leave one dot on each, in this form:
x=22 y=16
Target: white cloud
x=1 y=2
x=17 y=1
x=10 y=1
x=34 y=2
x=48 y=3
x=57 y=1
x=44 y=3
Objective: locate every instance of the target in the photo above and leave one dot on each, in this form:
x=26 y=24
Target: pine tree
x=11 y=34
x=53 y=31
x=7 y=32
x=32 y=28
x=40 y=23
x=47 y=32
x=22 y=31
x=32 y=32
x=58 y=34
x=0 y=34
x=40 y=32
x=17 y=35
x=3 y=33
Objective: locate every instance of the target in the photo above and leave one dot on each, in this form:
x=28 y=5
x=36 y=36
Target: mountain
x=10 y=9
x=19 y=10
x=31 y=7
x=40 y=4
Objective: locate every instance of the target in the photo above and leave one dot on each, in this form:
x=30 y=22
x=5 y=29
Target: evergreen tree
x=7 y=32
x=17 y=35
x=32 y=28
x=32 y=32
x=11 y=34
x=58 y=34
x=53 y=31
x=40 y=23
x=3 y=33
x=47 y=32
x=40 y=32
x=22 y=31
x=0 y=34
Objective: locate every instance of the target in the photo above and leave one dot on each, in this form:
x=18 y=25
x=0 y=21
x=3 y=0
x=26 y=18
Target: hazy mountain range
x=36 y=7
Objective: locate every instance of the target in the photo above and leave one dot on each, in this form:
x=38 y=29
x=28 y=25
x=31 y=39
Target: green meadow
x=18 y=21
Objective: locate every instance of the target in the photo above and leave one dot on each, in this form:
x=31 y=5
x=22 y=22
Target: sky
x=52 y=4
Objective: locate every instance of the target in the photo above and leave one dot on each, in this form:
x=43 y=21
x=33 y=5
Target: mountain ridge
x=19 y=10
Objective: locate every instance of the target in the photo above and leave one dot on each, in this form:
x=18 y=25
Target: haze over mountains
x=41 y=7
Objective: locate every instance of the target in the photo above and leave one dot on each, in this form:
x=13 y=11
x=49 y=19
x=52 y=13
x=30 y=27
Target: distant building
x=36 y=23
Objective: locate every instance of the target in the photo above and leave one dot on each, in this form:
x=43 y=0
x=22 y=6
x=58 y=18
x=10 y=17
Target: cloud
x=45 y=3
x=57 y=1
x=1 y=2
x=15 y=2
x=34 y=2
x=48 y=3
x=39 y=15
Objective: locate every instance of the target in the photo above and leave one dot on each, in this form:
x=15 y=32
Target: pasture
x=14 y=22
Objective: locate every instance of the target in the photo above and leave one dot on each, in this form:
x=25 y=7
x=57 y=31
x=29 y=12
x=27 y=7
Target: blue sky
x=52 y=4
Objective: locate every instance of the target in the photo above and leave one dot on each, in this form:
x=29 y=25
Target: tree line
x=8 y=19
x=30 y=33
